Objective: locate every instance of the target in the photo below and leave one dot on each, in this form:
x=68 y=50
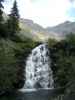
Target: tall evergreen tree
x=13 y=21
x=1 y=12
x=1 y=19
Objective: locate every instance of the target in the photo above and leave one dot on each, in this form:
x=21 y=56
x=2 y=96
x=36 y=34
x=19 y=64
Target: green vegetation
x=9 y=27
x=12 y=23
x=14 y=50
x=1 y=18
x=1 y=12
x=12 y=62
x=51 y=42
x=62 y=54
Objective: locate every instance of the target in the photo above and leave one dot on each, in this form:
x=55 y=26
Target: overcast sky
x=45 y=12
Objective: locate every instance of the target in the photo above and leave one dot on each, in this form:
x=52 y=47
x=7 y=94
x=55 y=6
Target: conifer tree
x=1 y=12
x=13 y=21
x=1 y=19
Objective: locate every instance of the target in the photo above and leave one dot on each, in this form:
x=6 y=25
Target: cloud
x=49 y=12
x=71 y=1
x=44 y=12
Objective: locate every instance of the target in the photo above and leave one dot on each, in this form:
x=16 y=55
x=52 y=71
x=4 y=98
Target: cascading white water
x=38 y=73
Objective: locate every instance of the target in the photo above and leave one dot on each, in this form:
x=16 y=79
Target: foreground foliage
x=12 y=61
x=62 y=54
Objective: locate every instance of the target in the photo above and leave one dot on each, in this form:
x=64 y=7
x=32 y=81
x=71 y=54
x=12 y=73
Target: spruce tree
x=13 y=21
x=1 y=12
x=1 y=19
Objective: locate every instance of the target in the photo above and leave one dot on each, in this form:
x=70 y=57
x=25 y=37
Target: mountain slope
x=38 y=33
x=62 y=29
x=32 y=30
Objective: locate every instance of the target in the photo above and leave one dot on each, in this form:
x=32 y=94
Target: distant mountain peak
x=67 y=22
x=57 y=32
x=31 y=29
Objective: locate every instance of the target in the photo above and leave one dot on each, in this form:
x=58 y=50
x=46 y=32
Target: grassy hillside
x=28 y=31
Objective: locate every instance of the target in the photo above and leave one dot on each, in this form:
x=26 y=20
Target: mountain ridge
x=35 y=31
x=58 y=32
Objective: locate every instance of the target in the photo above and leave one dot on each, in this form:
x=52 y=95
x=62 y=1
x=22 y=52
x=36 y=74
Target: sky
x=44 y=12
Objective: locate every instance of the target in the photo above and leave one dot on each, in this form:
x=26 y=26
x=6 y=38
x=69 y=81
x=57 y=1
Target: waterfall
x=38 y=73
